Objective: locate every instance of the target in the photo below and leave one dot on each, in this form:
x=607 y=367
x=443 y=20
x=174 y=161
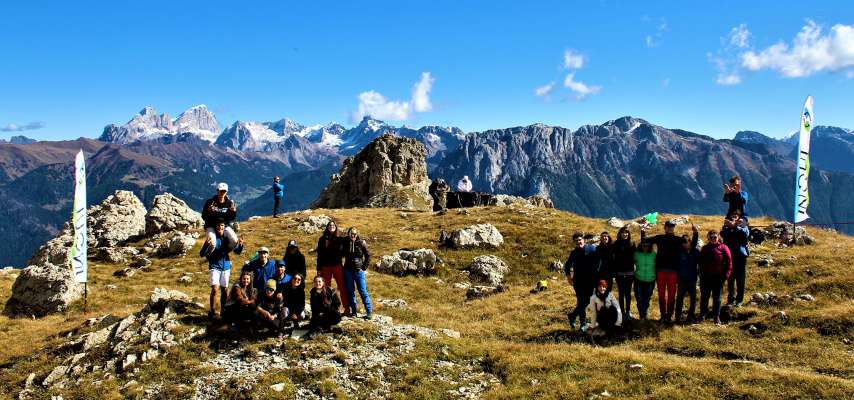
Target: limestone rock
x=115 y=255
x=121 y=216
x=480 y=235
x=781 y=231
x=556 y=266
x=542 y=201
x=43 y=289
x=169 y=213
x=615 y=222
x=409 y=262
x=389 y=172
x=680 y=220
x=479 y=292
x=177 y=245
x=393 y=303
x=488 y=269
x=314 y=223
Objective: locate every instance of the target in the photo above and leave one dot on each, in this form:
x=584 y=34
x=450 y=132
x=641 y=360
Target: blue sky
x=69 y=68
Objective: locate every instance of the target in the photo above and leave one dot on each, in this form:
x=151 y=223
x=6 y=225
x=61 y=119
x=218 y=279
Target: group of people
x=674 y=267
x=270 y=294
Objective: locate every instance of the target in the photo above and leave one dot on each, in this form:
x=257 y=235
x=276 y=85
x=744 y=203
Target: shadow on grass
x=631 y=330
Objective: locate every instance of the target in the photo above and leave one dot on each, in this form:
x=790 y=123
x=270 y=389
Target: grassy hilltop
x=522 y=338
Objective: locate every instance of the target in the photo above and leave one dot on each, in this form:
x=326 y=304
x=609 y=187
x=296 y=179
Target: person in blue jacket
x=736 y=197
x=278 y=194
x=262 y=269
x=219 y=265
x=687 y=275
x=735 y=234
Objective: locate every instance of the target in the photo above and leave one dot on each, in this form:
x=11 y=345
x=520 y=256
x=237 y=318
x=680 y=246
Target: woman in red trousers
x=329 y=255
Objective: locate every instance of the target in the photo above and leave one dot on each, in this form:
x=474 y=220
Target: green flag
x=651 y=218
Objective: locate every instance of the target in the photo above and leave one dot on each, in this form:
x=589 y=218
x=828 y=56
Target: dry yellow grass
x=524 y=338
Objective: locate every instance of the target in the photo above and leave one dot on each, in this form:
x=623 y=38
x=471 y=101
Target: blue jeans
x=643 y=293
x=354 y=279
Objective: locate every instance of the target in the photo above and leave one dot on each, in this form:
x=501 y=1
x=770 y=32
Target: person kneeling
x=604 y=311
x=270 y=311
x=325 y=306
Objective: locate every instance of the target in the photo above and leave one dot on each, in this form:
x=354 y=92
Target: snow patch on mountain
x=148 y=125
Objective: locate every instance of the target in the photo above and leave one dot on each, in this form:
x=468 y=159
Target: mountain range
x=624 y=167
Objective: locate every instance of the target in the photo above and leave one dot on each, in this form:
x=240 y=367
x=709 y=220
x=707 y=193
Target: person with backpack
x=325 y=306
x=605 y=254
x=715 y=263
x=604 y=310
x=688 y=275
x=262 y=268
x=220 y=208
x=294 y=261
x=329 y=249
x=278 y=194
x=644 y=277
x=736 y=197
x=667 y=247
x=219 y=266
x=624 y=269
x=581 y=269
x=734 y=234
x=356 y=261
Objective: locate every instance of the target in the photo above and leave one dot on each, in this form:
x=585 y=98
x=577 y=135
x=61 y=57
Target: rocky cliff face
x=148 y=125
x=389 y=172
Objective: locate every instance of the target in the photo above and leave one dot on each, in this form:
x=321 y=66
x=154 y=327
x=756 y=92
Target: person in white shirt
x=604 y=310
x=464 y=185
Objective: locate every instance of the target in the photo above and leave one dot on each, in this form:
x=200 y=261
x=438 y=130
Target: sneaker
x=571 y=320
x=738 y=304
x=584 y=327
x=369 y=317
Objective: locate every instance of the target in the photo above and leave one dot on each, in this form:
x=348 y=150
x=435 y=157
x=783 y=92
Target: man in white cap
x=262 y=268
x=464 y=185
x=220 y=208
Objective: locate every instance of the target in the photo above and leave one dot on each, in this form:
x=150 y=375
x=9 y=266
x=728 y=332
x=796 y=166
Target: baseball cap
x=264 y=249
x=292 y=243
x=222 y=186
x=669 y=223
x=271 y=284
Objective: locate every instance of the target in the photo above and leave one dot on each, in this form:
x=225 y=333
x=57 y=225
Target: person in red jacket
x=329 y=266
x=715 y=266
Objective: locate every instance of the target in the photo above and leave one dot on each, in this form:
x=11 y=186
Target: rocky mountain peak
x=148 y=125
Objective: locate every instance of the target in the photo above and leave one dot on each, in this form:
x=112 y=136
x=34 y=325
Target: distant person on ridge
x=734 y=234
x=624 y=269
x=294 y=261
x=464 y=185
x=604 y=310
x=356 y=261
x=329 y=255
x=278 y=194
x=715 y=265
x=668 y=247
x=688 y=275
x=736 y=197
x=220 y=208
x=442 y=190
x=262 y=268
x=325 y=306
x=644 y=277
x=219 y=265
x=580 y=270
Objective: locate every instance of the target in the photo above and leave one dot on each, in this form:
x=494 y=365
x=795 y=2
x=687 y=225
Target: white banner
x=802 y=175
x=78 y=220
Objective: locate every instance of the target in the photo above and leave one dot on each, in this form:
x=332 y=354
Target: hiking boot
x=368 y=317
x=571 y=317
x=584 y=327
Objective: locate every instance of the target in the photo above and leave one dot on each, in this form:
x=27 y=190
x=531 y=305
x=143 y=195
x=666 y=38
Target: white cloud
x=421 y=93
x=809 y=53
x=544 y=90
x=580 y=89
x=572 y=60
x=375 y=105
x=12 y=127
x=729 y=79
x=739 y=36
x=653 y=40
x=725 y=59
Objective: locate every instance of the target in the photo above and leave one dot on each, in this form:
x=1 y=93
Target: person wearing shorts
x=219 y=266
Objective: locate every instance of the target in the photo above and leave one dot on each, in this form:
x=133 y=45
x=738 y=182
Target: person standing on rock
x=688 y=275
x=736 y=197
x=220 y=208
x=219 y=265
x=734 y=235
x=329 y=249
x=294 y=261
x=604 y=310
x=241 y=300
x=325 y=306
x=356 y=261
x=715 y=265
x=270 y=312
x=624 y=269
x=644 y=277
x=278 y=194
x=668 y=247
x=294 y=296
x=580 y=270
x=262 y=268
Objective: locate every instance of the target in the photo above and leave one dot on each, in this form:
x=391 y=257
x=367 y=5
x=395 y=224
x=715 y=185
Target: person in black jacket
x=735 y=234
x=356 y=261
x=329 y=249
x=294 y=294
x=581 y=270
x=220 y=208
x=270 y=310
x=605 y=253
x=624 y=269
x=325 y=306
x=688 y=273
x=294 y=261
x=668 y=247
x=736 y=197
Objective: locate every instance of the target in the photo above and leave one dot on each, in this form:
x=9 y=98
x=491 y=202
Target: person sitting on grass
x=581 y=270
x=325 y=306
x=219 y=265
x=604 y=310
x=688 y=275
x=294 y=295
x=262 y=268
x=644 y=277
x=270 y=310
x=715 y=265
x=241 y=300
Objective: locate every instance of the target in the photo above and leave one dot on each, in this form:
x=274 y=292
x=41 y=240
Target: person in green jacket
x=644 y=277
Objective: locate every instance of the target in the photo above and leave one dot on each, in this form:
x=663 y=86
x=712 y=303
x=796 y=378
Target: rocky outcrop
x=488 y=269
x=479 y=292
x=503 y=200
x=480 y=235
x=409 y=262
x=389 y=172
x=43 y=289
x=169 y=213
x=314 y=223
x=176 y=246
x=120 y=217
x=781 y=232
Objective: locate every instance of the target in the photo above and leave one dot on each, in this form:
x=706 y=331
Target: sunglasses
x=270 y=290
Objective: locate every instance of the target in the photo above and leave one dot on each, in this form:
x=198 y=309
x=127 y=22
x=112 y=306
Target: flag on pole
x=78 y=220
x=802 y=174
x=651 y=218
